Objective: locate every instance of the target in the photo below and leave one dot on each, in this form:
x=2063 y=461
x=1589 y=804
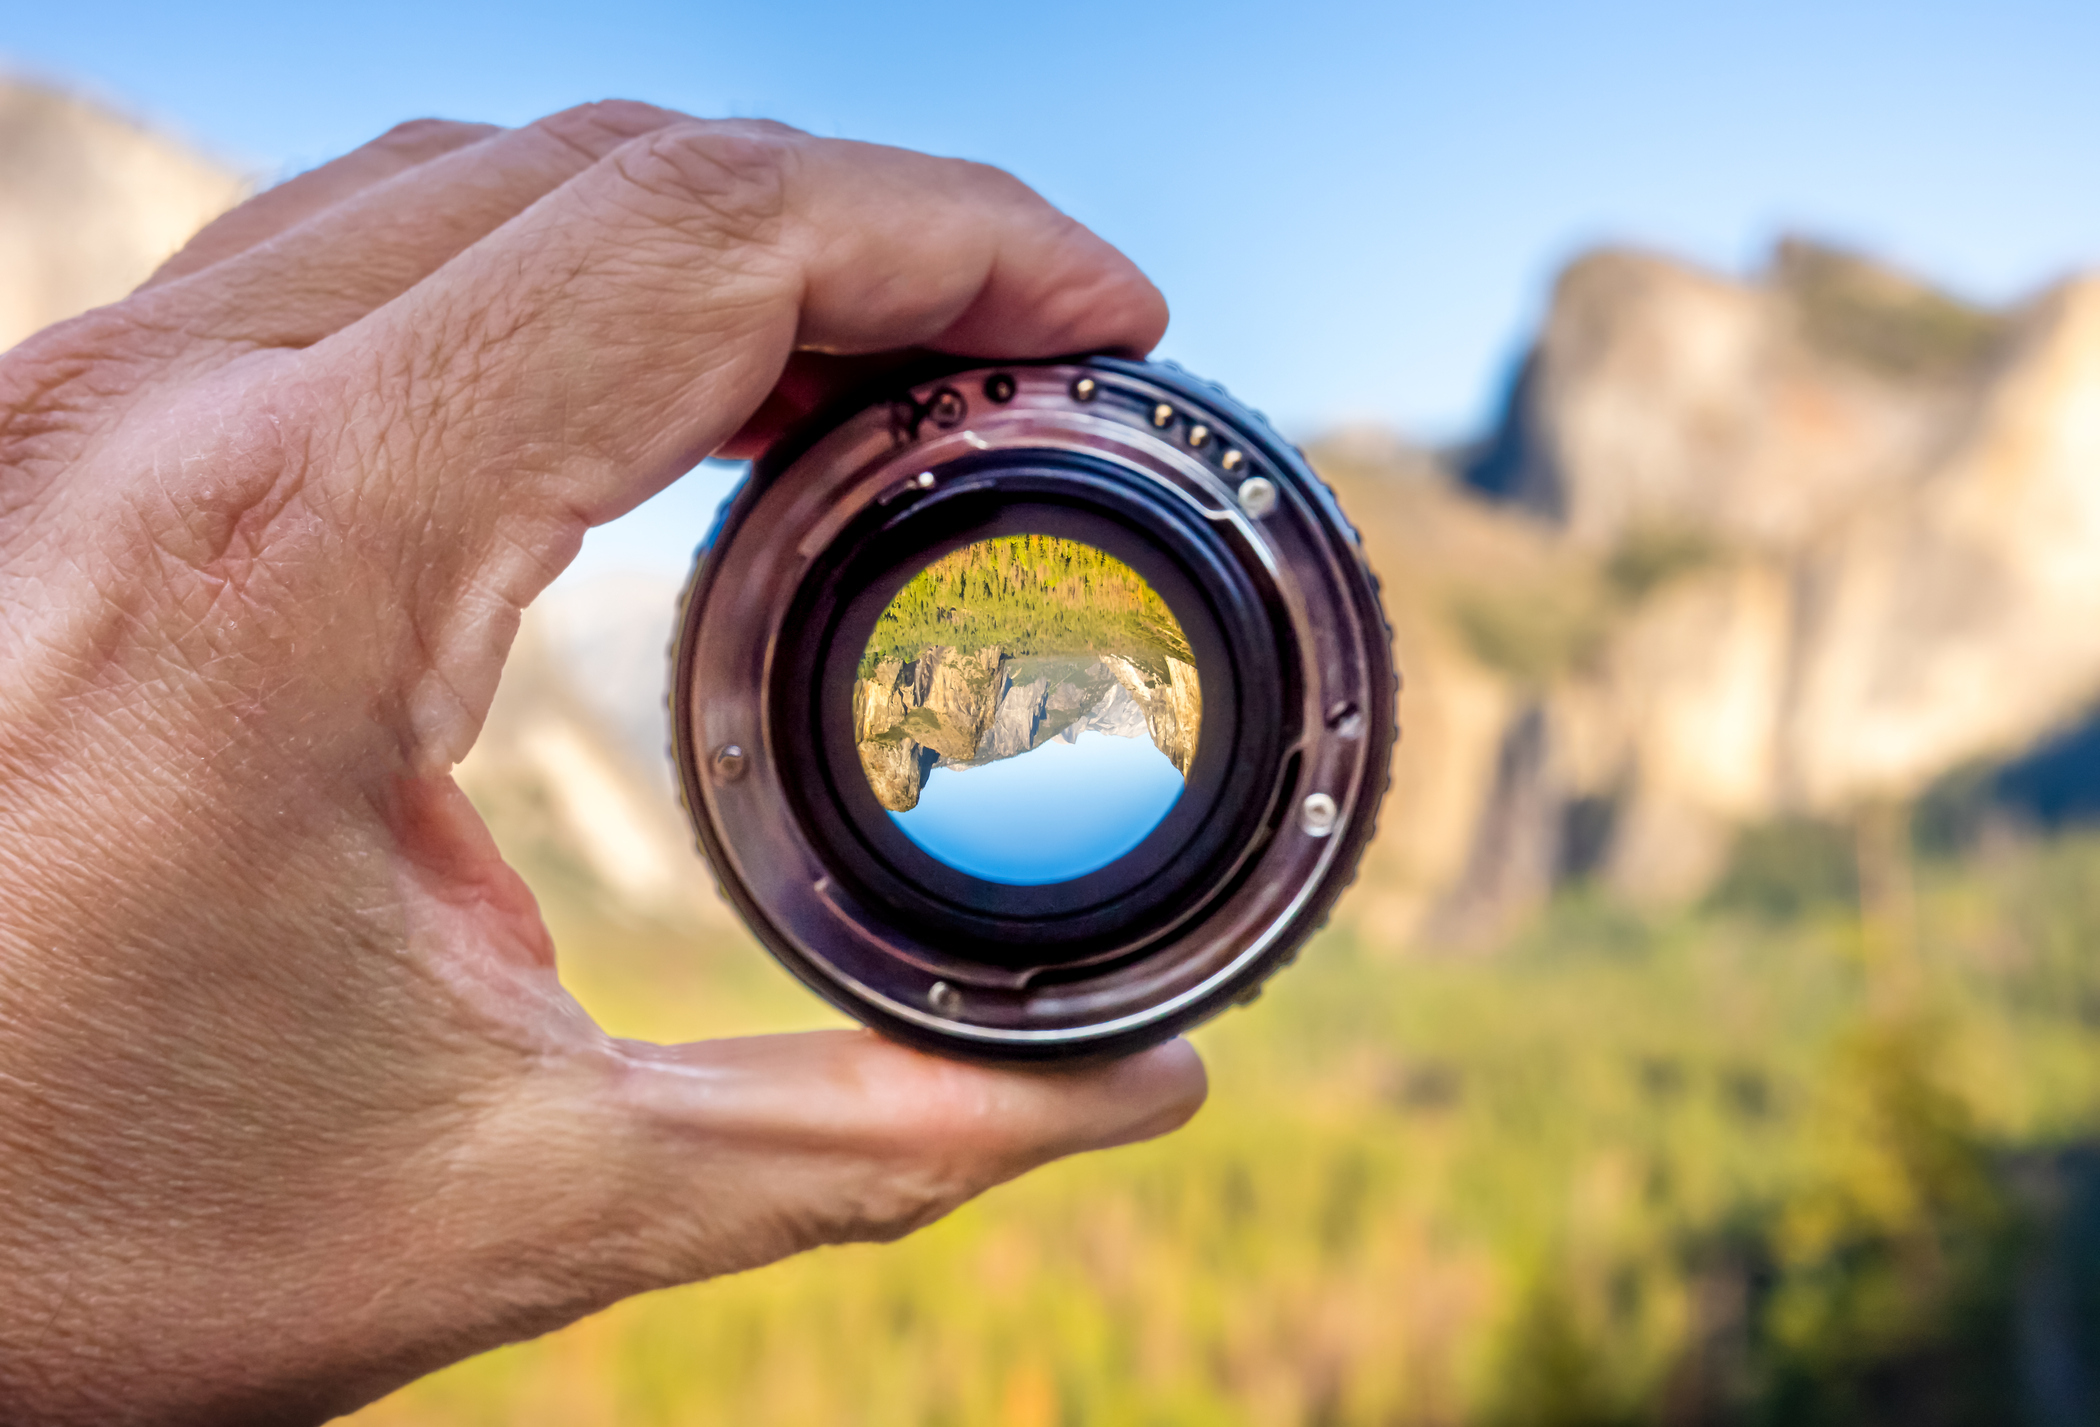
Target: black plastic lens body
x=1199 y=501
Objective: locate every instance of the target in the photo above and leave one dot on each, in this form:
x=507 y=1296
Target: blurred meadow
x=1710 y=1037
x=1755 y=1162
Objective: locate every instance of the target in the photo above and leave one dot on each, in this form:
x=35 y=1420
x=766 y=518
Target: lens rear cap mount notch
x=1165 y=506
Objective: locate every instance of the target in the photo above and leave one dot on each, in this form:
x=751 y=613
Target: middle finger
x=356 y=255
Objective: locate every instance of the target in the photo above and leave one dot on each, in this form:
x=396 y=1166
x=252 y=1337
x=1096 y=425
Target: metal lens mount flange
x=1223 y=519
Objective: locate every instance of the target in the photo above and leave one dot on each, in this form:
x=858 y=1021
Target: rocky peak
x=1756 y=413
x=951 y=709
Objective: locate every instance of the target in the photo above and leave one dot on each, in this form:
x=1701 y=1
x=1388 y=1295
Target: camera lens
x=1033 y=711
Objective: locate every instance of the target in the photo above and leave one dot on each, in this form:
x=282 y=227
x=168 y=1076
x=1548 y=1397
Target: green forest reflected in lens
x=1027 y=709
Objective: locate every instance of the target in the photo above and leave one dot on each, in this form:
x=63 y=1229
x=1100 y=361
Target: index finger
x=626 y=325
x=303 y=195
x=582 y=356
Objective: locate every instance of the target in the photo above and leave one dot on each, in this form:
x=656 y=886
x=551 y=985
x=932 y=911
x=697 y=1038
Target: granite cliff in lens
x=997 y=649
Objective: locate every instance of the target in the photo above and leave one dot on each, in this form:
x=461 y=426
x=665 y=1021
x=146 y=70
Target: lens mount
x=1183 y=486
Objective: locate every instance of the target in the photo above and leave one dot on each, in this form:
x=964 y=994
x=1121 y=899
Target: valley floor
x=1722 y=1167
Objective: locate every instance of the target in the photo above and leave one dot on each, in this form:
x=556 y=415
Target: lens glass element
x=1027 y=709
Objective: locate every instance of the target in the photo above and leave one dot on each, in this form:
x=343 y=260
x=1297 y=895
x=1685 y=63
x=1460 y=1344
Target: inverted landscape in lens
x=1027 y=709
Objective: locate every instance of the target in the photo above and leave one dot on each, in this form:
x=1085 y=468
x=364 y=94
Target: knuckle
x=729 y=179
x=413 y=131
x=766 y=130
x=999 y=181
x=70 y=382
x=418 y=136
x=240 y=493
x=985 y=184
x=605 y=123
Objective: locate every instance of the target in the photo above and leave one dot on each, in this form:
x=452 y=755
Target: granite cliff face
x=1658 y=396
x=1172 y=707
x=1792 y=546
x=90 y=204
x=956 y=709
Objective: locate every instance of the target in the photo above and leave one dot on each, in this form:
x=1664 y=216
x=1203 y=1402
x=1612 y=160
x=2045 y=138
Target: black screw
x=947 y=407
x=999 y=387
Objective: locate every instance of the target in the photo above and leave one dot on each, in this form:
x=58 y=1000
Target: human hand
x=292 y=1106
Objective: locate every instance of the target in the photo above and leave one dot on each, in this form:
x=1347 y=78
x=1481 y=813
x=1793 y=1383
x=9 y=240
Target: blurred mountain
x=92 y=204
x=1797 y=546
x=571 y=769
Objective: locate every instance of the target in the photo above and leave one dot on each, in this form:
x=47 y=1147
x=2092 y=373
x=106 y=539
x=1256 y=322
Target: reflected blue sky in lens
x=1056 y=812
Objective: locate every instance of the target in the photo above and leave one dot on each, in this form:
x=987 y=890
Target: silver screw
x=944 y=998
x=1346 y=719
x=1084 y=389
x=1317 y=814
x=1162 y=414
x=729 y=762
x=1257 y=496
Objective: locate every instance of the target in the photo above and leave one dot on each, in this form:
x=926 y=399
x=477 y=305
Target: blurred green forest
x=1762 y=1162
x=1024 y=595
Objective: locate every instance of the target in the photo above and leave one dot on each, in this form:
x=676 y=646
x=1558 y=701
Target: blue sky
x=1058 y=811
x=1355 y=209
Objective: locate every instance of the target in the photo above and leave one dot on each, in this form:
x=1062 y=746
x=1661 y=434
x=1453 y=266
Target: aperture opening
x=857 y=669
x=1027 y=709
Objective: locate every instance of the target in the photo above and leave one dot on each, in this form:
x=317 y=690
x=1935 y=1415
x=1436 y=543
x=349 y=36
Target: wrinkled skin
x=292 y=1105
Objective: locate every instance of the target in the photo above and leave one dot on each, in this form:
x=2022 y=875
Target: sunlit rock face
x=90 y=204
x=1659 y=396
x=993 y=651
x=1960 y=623
x=1895 y=498
x=946 y=709
x=1797 y=544
x=1172 y=707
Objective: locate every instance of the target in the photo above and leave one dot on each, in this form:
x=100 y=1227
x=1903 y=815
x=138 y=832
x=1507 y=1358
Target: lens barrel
x=1163 y=477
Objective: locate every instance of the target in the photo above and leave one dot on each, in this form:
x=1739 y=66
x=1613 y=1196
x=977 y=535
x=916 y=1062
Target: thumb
x=729 y=1154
